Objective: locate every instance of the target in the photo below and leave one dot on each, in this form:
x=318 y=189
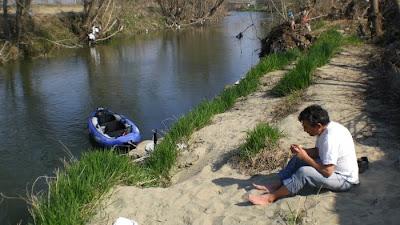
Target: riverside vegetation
x=31 y=30
x=75 y=191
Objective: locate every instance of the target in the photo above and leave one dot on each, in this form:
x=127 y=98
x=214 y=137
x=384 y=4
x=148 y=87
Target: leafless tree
x=101 y=13
x=184 y=12
x=376 y=19
x=6 y=22
x=22 y=16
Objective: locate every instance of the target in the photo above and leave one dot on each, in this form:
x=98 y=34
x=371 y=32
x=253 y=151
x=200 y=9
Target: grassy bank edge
x=301 y=76
x=76 y=190
x=292 y=86
x=318 y=55
x=163 y=159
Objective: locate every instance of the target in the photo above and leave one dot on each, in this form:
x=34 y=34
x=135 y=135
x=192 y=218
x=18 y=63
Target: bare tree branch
x=179 y=13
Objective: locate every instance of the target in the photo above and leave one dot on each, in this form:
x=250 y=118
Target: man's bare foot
x=267 y=188
x=245 y=197
x=261 y=199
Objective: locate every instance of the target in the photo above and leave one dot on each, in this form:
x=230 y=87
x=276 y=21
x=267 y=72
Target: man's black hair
x=314 y=114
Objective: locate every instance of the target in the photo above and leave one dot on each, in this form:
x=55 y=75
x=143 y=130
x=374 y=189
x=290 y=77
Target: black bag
x=363 y=164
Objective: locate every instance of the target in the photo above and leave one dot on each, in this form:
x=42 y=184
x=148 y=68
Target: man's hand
x=312 y=152
x=302 y=154
x=294 y=148
x=299 y=151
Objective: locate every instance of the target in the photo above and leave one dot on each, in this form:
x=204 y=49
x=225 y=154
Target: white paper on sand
x=124 y=221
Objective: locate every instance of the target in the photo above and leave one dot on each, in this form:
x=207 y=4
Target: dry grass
x=50 y=9
x=288 y=105
x=295 y=216
x=266 y=160
x=55 y=9
x=143 y=16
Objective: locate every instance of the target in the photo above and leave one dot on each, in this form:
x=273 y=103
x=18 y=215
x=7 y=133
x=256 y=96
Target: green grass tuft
x=353 y=40
x=263 y=136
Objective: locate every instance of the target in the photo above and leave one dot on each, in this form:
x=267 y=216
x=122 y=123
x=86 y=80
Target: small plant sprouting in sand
x=293 y=216
x=300 y=214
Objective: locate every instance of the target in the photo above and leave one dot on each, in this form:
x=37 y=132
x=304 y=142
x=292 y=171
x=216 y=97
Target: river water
x=152 y=79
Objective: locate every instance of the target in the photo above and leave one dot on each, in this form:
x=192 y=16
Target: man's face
x=312 y=130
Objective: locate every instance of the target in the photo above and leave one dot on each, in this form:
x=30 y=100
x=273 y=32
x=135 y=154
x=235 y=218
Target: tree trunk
x=21 y=16
x=91 y=11
x=100 y=19
x=376 y=18
x=6 y=24
x=215 y=7
x=87 y=5
x=28 y=4
x=18 y=18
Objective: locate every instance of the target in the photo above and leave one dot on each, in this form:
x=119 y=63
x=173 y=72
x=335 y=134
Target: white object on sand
x=124 y=221
x=181 y=146
x=149 y=147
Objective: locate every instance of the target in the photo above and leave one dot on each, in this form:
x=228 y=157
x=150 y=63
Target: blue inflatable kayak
x=110 y=129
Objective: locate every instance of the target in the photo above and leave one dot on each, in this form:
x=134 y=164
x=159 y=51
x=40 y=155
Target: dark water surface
x=153 y=79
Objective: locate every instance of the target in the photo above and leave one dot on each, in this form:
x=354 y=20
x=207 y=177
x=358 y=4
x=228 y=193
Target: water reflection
x=150 y=79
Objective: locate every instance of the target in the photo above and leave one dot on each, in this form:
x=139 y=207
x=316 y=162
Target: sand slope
x=208 y=191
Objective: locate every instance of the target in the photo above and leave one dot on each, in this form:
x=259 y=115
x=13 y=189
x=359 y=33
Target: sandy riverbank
x=208 y=191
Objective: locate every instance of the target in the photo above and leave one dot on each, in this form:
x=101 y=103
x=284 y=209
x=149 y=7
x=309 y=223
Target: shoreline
x=211 y=145
x=209 y=191
x=108 y=169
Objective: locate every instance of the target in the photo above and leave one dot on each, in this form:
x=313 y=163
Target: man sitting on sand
x=332 y=164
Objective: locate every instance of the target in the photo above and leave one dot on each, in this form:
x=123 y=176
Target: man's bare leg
x=269 y=188
x=269 y=198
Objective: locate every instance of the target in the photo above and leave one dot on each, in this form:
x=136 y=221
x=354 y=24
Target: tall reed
x=73 y=194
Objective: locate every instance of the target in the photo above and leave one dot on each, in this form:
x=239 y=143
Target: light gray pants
x=297 y=174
